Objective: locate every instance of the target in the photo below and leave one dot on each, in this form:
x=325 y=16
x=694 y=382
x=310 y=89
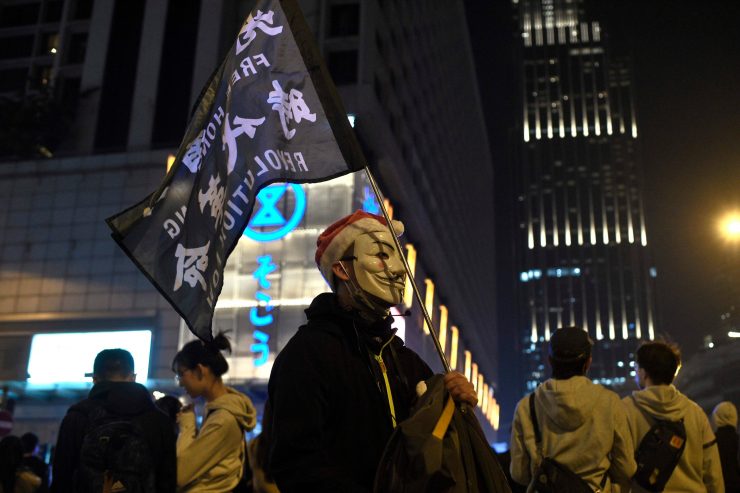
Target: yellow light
x=388 y=208
x=479 y=389
x=443 y=327
x=474 y=376
x=468 y=364
x=428 y=302
x=408 y=291
x=170 y=161
x=730 y=226
x=483 y=399
x=453 y=347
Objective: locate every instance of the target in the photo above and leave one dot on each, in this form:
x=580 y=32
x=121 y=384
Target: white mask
x=378 y=267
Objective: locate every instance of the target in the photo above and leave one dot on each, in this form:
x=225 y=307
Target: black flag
x=270 y=113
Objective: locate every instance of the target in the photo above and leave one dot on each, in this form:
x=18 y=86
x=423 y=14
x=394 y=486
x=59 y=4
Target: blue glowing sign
x=369 y=202
x=269 y=215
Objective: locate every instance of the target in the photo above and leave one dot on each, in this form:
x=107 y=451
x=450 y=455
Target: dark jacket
x=328 y=420
x=125 y=399
x=727 y=442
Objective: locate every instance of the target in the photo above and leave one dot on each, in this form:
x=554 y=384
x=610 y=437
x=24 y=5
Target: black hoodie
x=329 y=420
x=126 y=399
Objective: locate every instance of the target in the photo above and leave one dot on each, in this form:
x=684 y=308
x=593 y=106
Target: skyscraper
x=581 y=239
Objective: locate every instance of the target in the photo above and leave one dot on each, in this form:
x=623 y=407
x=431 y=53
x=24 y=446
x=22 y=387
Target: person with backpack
x=724 y=424
x=676 y=450
x=344 y=381
x=213 y=458
x=570 y=435
x=33 y=462
x=14 y=476
x=116 y=439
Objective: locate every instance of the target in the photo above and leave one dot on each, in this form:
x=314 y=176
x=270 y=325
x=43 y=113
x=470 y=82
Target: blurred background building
x=95 y=97
x=580 y=238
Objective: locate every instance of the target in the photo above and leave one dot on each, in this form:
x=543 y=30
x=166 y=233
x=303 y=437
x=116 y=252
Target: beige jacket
x=583 y=427
x=699 y=469
x=212 y=459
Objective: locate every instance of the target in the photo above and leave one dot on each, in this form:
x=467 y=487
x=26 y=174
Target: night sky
x=686 y=58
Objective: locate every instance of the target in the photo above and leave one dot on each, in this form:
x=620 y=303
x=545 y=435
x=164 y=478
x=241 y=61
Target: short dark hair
x=660 y=360
x=111 y=363
x=29 y=441
x=565 y=369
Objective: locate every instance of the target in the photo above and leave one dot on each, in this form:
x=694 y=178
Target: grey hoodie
x=212 y=459
x=583 y=427
x=699 y=469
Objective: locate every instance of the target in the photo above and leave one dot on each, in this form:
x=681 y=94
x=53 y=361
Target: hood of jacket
x=568 y=403
x=724 y=414
x=238 y=405
x=122 y=398
x=662 y=401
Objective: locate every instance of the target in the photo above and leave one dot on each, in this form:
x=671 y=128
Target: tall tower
x=581 y=241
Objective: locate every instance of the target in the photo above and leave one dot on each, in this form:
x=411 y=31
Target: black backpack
x=659 y=452
x=114 y=457
x=551 y=476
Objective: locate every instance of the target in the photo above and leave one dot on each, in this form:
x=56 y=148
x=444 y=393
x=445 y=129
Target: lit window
x=408 y=292
x=468 y=365
x=170 y=161
x=453 y=347
x=443 y=327
x=428 y=301
x=474 y=376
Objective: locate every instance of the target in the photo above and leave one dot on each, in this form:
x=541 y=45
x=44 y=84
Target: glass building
x=581 y=241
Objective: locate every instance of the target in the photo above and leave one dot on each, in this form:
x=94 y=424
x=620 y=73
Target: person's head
x=199 y=365
x=113 y=365
x=570 y=352
x=724 y=414
x=357 y=256
x=11 y=458
x=657 y=363
x=29 y=441
x=170 y=405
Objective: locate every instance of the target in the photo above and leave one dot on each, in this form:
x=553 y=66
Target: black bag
x=659 y=452
x=114 y=457
x=551 y=476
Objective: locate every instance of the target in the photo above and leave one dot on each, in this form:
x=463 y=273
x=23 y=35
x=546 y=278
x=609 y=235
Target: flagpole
x=410 y=275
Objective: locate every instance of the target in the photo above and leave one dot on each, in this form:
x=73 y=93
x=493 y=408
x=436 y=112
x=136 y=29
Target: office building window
x=343 y=66
x=344 y=20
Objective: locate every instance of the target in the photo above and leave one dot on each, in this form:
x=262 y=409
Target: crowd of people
x=340 y=388
x=655 y=439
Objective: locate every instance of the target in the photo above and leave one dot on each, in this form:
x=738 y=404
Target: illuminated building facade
x=141 y=67
x=582 y=242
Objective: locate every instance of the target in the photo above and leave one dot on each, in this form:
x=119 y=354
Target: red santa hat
x=337 y=238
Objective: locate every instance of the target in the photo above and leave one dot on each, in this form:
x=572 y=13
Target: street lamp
x=730 y=226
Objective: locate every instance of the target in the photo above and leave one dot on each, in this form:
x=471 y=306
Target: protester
x=171 y=407
x=582 y=425
x=116 y=438
x=14 y=477
x=343 y=382
x=724 y=424
x=214 y=457
x=34 y=463
x=698 y=468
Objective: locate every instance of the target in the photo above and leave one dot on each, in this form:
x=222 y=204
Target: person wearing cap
x=699 y=468
x=582 y=424
x=344 y=381
x=724 y=424
x=114 y=388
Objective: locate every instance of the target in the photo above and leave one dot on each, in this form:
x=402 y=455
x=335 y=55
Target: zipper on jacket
x=379 y=358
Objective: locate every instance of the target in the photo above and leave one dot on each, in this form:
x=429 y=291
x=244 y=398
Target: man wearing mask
x=344 y=381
